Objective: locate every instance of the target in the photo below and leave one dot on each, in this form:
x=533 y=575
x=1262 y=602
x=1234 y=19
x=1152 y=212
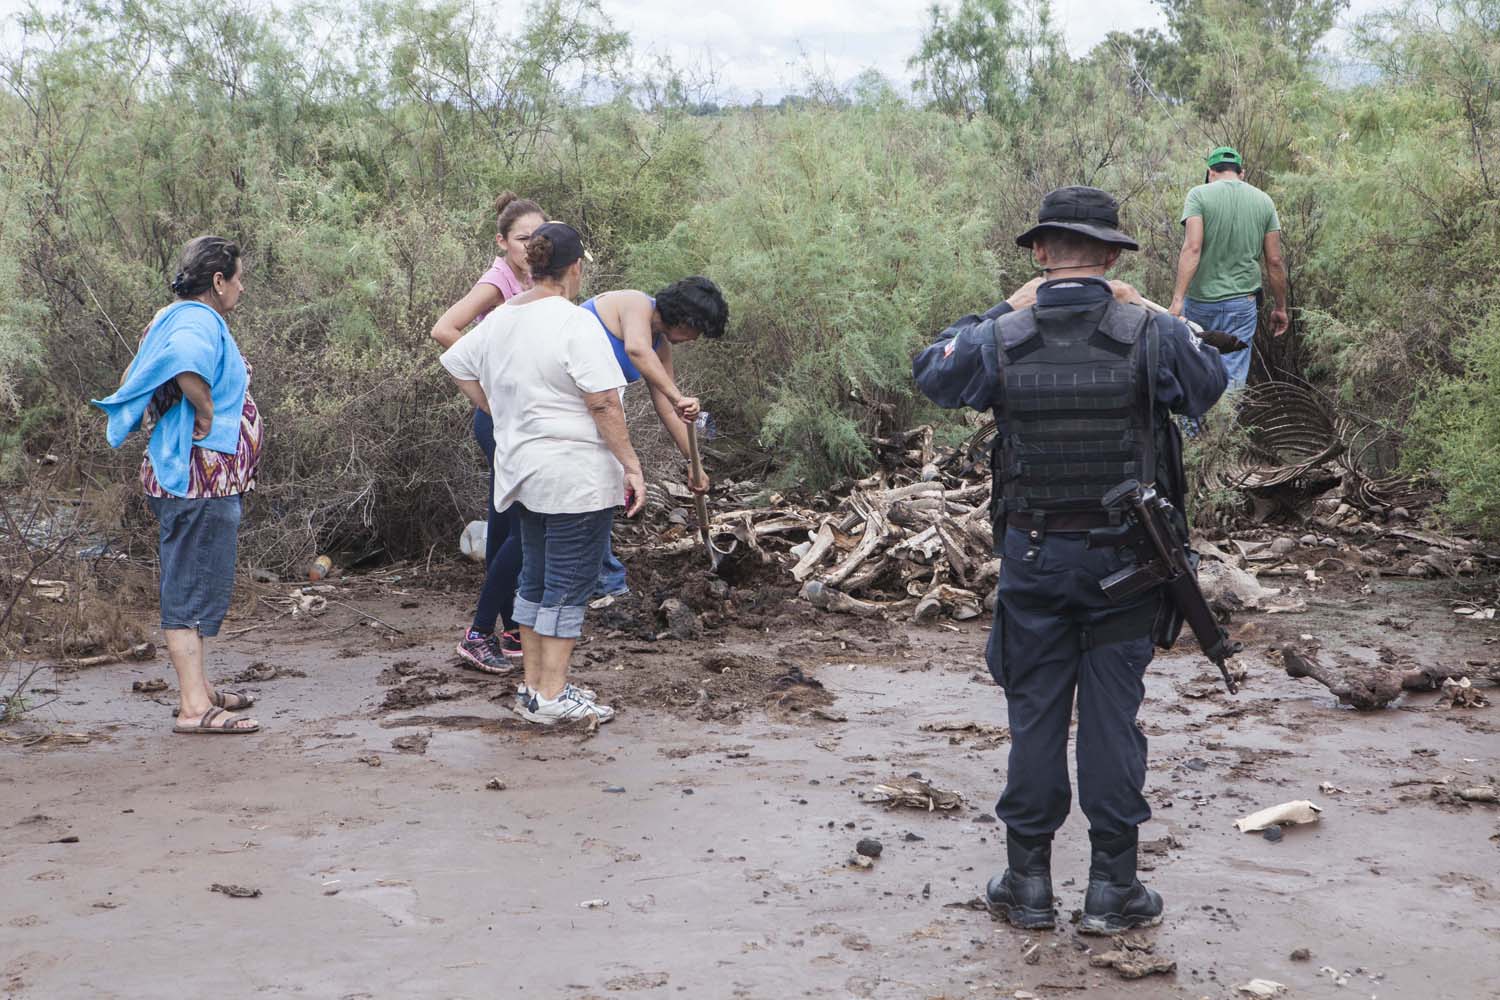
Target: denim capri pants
x=198 y=543
x=560 y=559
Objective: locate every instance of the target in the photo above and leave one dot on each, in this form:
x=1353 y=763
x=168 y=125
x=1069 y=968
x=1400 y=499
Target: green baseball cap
x=1225 y=154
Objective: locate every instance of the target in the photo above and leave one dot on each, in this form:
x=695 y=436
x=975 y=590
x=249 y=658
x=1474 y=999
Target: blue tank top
x=632 y=373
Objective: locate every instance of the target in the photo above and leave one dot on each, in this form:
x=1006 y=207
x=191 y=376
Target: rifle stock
x=1164 y=562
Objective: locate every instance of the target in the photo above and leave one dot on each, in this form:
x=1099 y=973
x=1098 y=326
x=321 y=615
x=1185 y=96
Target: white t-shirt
x=535 y=362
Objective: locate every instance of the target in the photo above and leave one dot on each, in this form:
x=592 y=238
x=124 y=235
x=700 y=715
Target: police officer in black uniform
x=1081 y=385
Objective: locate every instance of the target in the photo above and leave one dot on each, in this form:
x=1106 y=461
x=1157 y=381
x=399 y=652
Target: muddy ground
x=699 y=845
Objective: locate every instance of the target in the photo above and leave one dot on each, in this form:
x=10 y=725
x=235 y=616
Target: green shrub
x=844 y=239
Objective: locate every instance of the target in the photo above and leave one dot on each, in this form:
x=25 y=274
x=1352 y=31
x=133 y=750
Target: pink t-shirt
x=502 y=277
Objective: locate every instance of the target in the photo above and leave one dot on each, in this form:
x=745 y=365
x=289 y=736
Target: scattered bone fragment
x=1362 y=687
x=914 y=793
x=1460 y=692
x=1286 y=814
x=1133 y=958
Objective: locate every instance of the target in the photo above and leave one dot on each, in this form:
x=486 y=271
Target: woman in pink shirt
x=481 y=648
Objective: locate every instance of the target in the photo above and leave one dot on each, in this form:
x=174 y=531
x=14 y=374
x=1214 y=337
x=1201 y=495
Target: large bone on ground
x=978 y=527
x=925 y=545
x=1231 y=588
x=1286 y=814
x=821 y=546
x=952 y=537
x=986 y=572
x=826 y=598
x=868 y=574
x=920 y=511
x=1430 y=678
x=963 y=604
x=926 y=510
x=967 y=494
x=876 y=527
x=1362 y=687
x=775 y=525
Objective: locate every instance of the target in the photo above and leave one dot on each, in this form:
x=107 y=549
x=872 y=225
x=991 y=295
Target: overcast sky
x=766 y=47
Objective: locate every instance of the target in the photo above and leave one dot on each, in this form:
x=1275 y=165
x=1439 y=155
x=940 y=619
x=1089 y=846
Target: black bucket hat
x=1085 y=210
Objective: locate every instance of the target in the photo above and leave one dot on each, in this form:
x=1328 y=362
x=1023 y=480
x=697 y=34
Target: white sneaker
x=587 y=694
x=566 y=707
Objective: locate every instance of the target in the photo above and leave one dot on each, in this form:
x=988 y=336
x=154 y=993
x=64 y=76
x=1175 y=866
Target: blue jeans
x=199 y=539
x=560 y=559
x=611 y=573
x=502 y=549
x=1236 y=317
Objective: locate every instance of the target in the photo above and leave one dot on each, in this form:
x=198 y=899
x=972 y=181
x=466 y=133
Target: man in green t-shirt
x=1232 y=229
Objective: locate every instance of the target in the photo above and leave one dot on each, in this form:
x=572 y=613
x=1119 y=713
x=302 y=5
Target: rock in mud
x=412 y=743
x=1301 y=955
x=495 y=785
x=1133 y=959
x=234 y=891
x=681 y=622
x=260 y=672
x=869 y=847
x=154 y=686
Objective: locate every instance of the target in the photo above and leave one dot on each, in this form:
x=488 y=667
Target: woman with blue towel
x=189 y=387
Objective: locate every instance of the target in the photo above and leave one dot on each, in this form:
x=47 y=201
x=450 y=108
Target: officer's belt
x=1071 y=520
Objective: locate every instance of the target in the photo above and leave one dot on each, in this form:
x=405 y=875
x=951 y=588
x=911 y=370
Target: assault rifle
x=1163 y=561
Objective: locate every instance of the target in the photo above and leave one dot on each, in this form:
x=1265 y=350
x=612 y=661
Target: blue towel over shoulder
x=185 y=337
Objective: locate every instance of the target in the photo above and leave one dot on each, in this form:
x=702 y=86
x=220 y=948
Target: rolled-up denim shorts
x=199 y=539
x=560 y=559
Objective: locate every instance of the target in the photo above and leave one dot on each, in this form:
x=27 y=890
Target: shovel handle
x=696 y=461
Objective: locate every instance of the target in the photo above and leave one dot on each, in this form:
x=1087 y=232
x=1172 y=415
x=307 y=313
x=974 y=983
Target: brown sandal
x=241 y=701
x=206 y=727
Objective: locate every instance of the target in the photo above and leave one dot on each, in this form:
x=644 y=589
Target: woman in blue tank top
x=642 y=330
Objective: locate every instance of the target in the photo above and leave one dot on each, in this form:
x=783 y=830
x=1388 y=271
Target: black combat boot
x=1116 y=901
x=1023 y=895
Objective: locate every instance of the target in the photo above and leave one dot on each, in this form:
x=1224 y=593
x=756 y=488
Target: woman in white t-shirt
x=562 y=455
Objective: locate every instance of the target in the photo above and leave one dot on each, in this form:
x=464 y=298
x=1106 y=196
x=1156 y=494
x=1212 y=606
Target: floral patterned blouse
x=213 y=473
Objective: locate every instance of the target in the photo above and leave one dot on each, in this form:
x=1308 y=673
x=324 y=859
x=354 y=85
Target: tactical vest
x=1077 y=415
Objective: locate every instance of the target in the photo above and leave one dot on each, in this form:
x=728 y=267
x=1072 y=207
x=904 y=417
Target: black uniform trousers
x=1041 y=652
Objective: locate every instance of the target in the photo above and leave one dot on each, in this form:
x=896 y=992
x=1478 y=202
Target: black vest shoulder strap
x=1124 y=323
x=1014 y=329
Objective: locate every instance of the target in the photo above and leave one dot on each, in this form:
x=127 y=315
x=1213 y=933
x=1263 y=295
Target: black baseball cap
x=567 y=245
x=1085 y=210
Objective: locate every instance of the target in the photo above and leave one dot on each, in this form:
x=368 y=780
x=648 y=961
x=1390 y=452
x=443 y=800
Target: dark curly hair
x=694 y=302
